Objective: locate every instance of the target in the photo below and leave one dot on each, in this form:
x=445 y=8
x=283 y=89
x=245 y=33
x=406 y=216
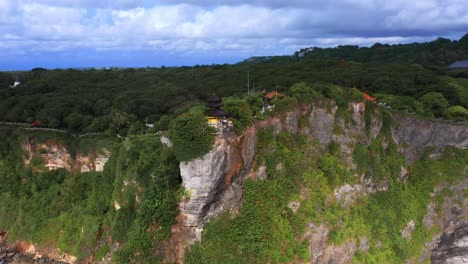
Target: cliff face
x=213 y=183
x=451 y=244
x=53 y=155
x=415 y=135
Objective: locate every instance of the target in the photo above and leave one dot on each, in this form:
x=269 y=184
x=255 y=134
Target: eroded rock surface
x=25 y=253
x=53 y=155
x=347 y=194
x=450 y=245
x=452 y=248
x=213 y=184
x=416 y=135
x=323 y=252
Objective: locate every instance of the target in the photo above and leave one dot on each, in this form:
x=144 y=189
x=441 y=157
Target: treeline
x=120 y=100
x=439 y=52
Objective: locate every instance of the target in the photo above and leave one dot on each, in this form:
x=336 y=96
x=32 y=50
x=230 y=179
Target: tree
x=456 y=112
x=304 y=93
x=76 y=122
x=191 y=135
x=121 y=121
x=242 y=112
x=434 y=103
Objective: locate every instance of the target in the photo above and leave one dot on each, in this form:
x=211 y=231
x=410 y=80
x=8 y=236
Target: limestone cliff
x=415 y=135
x=450 y=245
x=213 y=183
x=52 y=155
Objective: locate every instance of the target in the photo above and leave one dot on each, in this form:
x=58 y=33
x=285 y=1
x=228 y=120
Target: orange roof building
x=272 y=95
x=366 y=96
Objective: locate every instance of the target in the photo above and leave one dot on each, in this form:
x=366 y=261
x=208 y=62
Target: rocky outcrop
x=322 y=123
x=452 y=247
x=416 y=135
x=408 y=230
x=24 y=253
x=213 y=184
x=323 y=252
x=347 y=194
x=413 y=135
x=53 y=155
x=451 y=244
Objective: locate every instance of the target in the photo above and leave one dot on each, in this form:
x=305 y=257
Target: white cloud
x=258 y=27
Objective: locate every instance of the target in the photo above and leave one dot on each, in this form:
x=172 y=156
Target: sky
x=139 y=33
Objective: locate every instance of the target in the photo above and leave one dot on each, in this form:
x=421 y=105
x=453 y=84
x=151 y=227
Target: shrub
x=191 y=135
x=36 y=161
x=304 y=93
x=456 y=113
x=434 y=103
x=242 y=112
x=400 y=102
x=283 y=104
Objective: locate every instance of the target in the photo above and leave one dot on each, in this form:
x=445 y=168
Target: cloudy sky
x=80 y=33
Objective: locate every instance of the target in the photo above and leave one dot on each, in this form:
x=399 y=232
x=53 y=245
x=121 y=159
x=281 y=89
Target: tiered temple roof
x=214 y=105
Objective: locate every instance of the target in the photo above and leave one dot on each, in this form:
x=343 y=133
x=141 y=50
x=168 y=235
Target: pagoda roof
x=215 y=112
x=214 y=98
x=214 y=104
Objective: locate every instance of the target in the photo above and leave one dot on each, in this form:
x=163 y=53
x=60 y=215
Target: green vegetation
x=434 y=103
x=155 y=167
x=242 y=112
x=120 y=100
x=456 y=113
x=75 y=212
x=192 y=136
x=304 y=93
x=437 y=53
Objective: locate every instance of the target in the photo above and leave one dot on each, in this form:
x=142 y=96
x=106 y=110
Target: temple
x=217 y=118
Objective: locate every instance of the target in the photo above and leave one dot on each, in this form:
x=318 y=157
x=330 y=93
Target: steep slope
x=390 y=144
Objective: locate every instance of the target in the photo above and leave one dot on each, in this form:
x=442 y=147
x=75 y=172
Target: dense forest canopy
x=440 y=52
x=122 y=99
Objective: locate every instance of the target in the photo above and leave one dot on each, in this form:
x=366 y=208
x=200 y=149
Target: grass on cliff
x=146 y=187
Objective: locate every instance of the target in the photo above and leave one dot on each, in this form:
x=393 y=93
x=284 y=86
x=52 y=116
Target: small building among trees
x=463 y=64
x=217 y=118
x=267 y=98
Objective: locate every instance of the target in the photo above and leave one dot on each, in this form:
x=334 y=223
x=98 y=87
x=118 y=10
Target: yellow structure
x=213 y=121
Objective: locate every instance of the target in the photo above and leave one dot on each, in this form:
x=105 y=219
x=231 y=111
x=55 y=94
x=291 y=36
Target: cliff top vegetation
x=412 y=77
